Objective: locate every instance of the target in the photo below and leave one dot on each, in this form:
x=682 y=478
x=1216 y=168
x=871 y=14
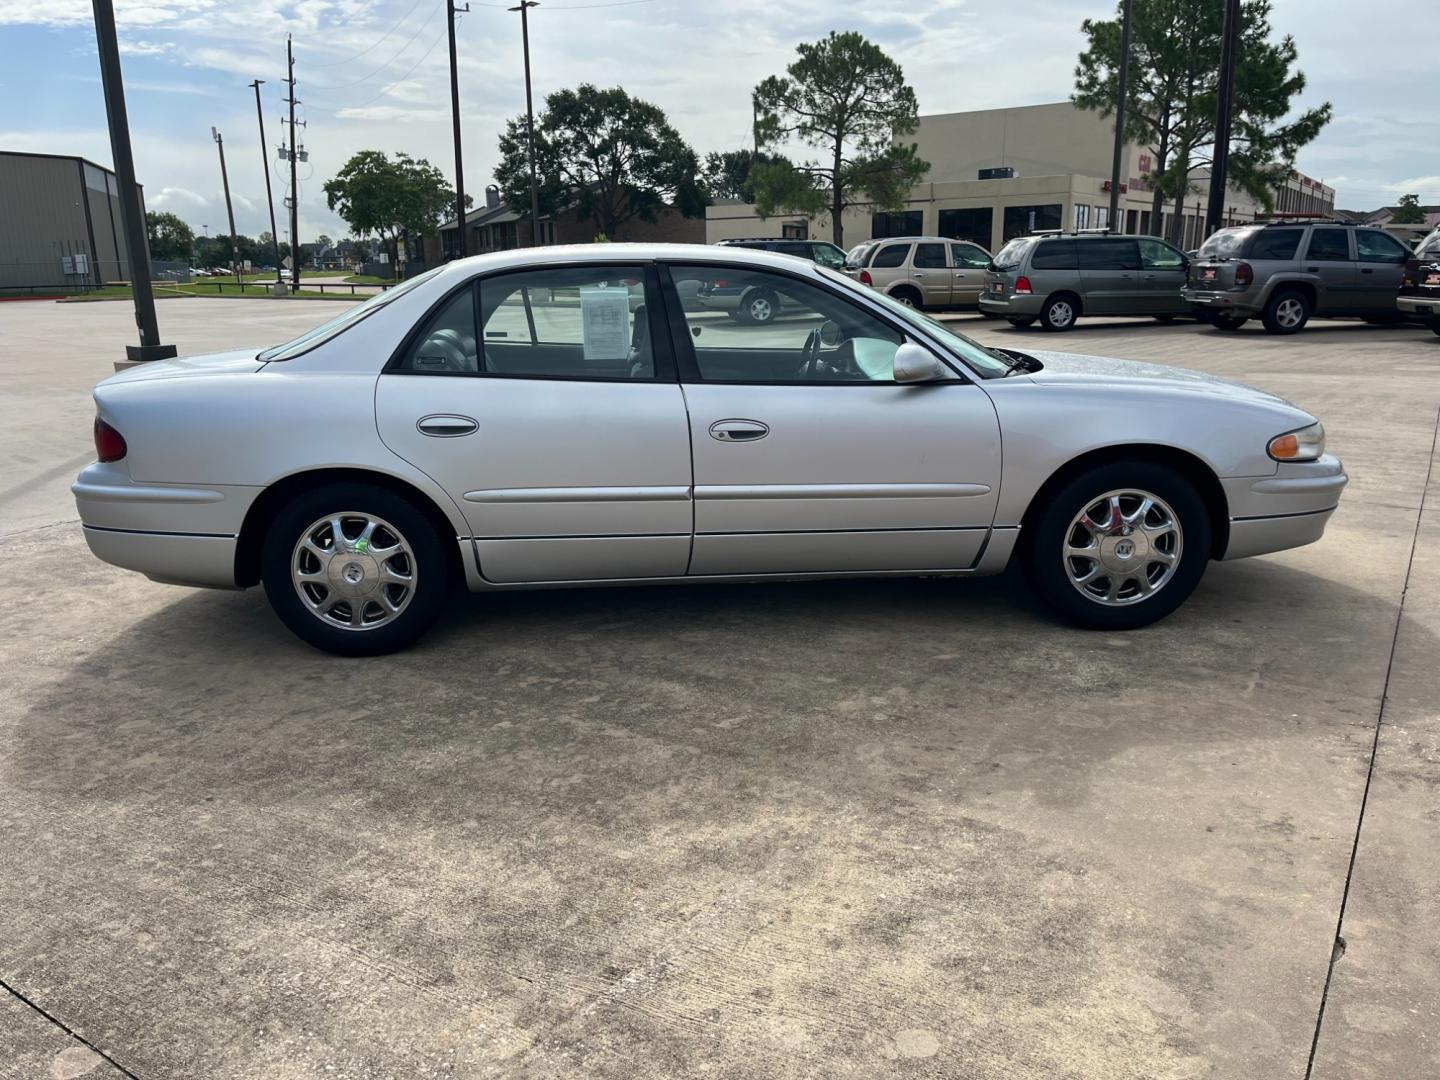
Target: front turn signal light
x=1306 y=444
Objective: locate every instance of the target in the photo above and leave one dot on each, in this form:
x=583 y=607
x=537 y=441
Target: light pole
x=132 y=216
x=523 y=7
x=450 y=12
x=1220 y=159
x=269 y=195
x=1123 y=91
x=229 y=210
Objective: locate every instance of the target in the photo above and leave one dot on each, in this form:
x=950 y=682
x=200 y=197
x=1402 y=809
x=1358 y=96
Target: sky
x=373 y=74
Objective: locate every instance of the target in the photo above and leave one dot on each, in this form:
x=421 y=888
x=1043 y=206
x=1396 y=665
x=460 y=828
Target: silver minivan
x=926 y=272
x=1057 y=277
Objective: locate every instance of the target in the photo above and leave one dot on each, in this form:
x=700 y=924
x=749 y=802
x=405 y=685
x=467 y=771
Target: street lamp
x=523 y=7
x=132 y=217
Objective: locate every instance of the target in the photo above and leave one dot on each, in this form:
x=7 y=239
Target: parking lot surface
x=910 y=828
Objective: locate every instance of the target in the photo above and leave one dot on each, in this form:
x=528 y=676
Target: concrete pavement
x=849 y=829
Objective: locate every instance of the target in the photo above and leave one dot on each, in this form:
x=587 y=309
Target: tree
x=846 y=97
x=727 y=175
x=1175 y=80
x=1408 y=212
x=606 y=155
x=171 y=240
x=393 y=198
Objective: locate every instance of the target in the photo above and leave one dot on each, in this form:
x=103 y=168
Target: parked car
x=1057 y=277
x=1419 y=296
x=930 y=273
x=820 y=252
x=511 y=421
x=1286 y=272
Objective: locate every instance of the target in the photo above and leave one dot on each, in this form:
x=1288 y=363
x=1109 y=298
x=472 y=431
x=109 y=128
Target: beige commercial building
x=1048 y=167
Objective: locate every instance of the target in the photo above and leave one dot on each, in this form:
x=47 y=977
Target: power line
x=366 y=78
x=399 y=22
x=389 y=84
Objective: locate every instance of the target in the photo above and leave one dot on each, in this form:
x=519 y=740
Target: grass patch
x=368 y=279
x=165 y=292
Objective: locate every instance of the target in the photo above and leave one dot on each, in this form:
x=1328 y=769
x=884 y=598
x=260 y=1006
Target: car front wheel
x=354 y=569
x=1120 y=546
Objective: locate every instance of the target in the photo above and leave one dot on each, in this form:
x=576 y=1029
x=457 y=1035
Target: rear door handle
x=446 y=425
x=1367 y=271
x=738 y=430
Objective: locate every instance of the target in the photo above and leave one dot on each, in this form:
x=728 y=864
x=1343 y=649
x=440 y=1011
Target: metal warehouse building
x=59 y=223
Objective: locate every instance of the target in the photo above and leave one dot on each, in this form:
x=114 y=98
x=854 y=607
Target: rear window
x=1431 y=246
x=1224 y=244
x=893 y=255
x=1054 y=255
x=1275 y=243
x=859 y=254
x=1012 y=255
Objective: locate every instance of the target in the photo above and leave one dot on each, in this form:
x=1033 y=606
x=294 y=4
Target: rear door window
x=1109 y=254
x=1054 y=255
x=891 y=255
x=1275 y=244
x=1329 y=245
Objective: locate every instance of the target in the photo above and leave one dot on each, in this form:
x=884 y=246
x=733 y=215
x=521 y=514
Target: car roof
x=518 y=258
x=918 y=239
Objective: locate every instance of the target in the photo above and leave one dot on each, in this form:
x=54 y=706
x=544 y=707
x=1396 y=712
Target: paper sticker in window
x=605 y=321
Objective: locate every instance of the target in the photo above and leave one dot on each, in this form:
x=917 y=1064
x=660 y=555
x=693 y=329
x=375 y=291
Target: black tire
x=1277 y=316
x=431 y=568
x=1164 y=318
x=1383 y=320
x=1059 y=313
x=1435 y=325
x=1227 y=322
x=906 y=295
x=1047 y=567
x=759 y=307
x=1021 y=320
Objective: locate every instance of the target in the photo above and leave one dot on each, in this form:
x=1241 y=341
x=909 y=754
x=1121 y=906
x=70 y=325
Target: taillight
x=109 y=443
x=1022 y=286
x=1244 y=275
x=865 y=278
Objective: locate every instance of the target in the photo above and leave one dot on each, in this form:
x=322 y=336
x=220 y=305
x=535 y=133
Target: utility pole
x=523 y=7
x=293 y=154
x=450 y=12
x=1123 y=91
x=132 y=215
x=269 y=194
x=1220 y=159
x=229 y=210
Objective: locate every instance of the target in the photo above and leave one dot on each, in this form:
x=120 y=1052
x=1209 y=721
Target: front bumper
x=1286 y=510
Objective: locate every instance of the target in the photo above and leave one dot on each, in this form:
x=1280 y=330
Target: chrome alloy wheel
x=353 y=570
x=1122 y=547
x=1061 y=313
x=1290 y=312
x=760 y=309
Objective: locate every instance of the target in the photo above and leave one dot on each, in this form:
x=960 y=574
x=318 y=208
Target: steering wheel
x=810 y=356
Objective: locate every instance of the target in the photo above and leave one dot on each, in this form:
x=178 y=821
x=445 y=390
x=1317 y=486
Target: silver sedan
x=558 y=417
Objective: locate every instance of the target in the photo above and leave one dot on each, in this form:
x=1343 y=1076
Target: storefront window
x=974 y=225
x=897 y=223
x=1023 y=220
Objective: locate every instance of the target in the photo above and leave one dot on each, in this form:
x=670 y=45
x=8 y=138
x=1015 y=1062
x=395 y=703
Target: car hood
x=1071 y=369
x=220 y=363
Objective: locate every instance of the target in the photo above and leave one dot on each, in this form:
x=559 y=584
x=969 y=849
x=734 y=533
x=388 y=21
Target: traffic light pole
x=132 y=215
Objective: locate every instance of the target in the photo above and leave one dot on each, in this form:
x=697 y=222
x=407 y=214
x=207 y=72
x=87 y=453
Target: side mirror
x=917 y=364
x=830 y=333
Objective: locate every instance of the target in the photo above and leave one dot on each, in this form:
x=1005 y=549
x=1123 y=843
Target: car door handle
x=446 y=425
x=738 y=430
x=1312 y=269
x=915 y=274
x=1367 y=271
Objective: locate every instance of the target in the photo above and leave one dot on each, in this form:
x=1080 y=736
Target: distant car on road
x=750 y=305
x=820 y=252
x=1058 y=277
x=930 y=273
x=1419 y=296
x=513 y=421
x=1286 y=272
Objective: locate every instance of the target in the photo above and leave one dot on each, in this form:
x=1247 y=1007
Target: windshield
x=984 y=362
x=1224 y=244
x=1011 y=255
x=347 y=318
x=859 y=253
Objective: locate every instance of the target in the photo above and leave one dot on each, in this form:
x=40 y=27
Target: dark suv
x=1284 y=272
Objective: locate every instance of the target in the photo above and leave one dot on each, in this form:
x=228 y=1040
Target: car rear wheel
x=1120 y=546
x=759 y=307
x=1059 y=313
x=1021 y=320
x=909 y=297
x=354 y=569
x=1227 y=322
x=1287 y=312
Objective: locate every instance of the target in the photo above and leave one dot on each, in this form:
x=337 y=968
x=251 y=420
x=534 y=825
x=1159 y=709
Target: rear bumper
x=1420 y=307
x=171 y=558
x=1011 y=307
x=1286 y=510
x=1223 y=302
